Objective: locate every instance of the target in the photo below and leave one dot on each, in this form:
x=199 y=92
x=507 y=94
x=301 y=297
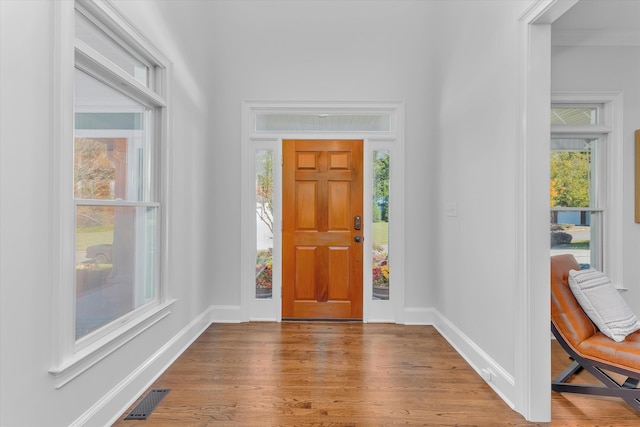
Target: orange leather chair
x=589 y=348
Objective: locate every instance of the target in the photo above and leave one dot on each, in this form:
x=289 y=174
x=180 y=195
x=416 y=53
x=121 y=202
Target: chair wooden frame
x=572 y=327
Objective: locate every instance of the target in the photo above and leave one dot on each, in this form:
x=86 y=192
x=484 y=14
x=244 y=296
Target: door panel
x=322 y=264
x=305 y=278
x=306 y=205
x=339 y=215
x=338 y=271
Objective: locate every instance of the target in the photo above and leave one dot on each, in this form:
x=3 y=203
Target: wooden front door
x=322 y=247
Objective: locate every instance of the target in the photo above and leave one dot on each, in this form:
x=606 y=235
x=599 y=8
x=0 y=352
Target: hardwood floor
x=344 y=374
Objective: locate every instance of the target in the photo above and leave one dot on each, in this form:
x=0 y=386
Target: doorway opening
x=322 y=228
x=379 y=128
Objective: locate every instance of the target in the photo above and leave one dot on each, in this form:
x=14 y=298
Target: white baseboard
x=113 y=404
x=497 y=377
x=226 y=314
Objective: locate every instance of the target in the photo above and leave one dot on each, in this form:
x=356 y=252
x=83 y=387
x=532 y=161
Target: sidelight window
x=380 y=225
x=264 y=224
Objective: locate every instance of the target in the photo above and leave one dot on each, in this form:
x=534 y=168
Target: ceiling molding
x=595 y=38
x=546 y=11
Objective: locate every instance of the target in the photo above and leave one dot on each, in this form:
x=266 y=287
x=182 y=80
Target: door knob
x=358 y=239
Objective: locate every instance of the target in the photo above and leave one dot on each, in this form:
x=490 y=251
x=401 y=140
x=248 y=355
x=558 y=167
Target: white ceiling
x=601 y=15
x=599 y=22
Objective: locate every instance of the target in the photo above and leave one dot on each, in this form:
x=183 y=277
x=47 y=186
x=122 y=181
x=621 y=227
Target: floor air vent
x=148 y=404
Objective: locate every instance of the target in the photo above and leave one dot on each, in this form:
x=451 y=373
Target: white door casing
x=390 y=138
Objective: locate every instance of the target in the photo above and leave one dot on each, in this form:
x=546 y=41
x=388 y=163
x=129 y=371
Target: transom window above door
x=323 y=122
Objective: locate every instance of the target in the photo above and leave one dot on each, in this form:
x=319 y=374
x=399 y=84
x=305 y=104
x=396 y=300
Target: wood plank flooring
x=343 y=374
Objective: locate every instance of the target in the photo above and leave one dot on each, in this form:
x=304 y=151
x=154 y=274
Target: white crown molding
x=595 y=37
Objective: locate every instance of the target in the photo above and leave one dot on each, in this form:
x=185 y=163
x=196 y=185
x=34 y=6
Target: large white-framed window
x=109 y=157
x=585 y=180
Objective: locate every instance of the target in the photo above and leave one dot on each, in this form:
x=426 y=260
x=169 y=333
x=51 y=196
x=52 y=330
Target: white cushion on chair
x=603 y=303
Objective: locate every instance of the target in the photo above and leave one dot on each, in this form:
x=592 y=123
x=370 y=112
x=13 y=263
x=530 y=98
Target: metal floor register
x=148 y=404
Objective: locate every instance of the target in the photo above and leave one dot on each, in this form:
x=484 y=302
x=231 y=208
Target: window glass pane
x=323 y=122
x=116 y=263
x=572 y=233
x=381 y=271
x=110 y=143
x=264 y=223
x=571 y=171
x=92 y=35
x=574 y=116
x=572 y=185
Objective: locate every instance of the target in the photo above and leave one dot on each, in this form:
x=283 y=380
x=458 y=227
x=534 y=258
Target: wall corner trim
x=502 y=382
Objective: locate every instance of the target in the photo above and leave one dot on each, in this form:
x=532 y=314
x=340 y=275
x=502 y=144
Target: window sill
x=79 y=362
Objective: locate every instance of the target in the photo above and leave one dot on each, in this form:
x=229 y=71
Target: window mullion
x=119 y=28
x=120 y=39
x=565 y=130
x=570 y=209
x=123 y=203
x=91 y=61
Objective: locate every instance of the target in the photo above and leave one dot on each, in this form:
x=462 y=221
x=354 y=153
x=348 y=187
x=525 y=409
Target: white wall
x=319 y=50
x=25 y=130
x=27 y=393
x=452 y=63
x=610 y=69
x=477 y=113
x=174 y=27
